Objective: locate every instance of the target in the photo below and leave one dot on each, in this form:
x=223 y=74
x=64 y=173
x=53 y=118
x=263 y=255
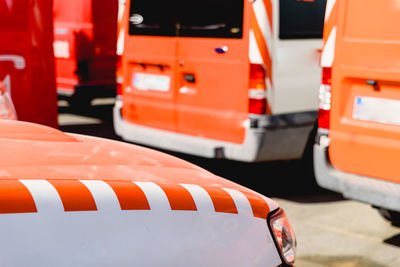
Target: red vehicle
x=85 y=37
x=26 y=61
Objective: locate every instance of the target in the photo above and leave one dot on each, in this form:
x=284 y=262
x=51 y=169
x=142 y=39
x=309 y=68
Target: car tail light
x=7 y=110
x=257 y=106
x=284 y=236
x=325 y=98
x=257 y=95
x=119 y=79
x=257 y=76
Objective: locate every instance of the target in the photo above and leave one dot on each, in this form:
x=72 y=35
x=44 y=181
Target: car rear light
x=257 y=106
x=284 y=236
x=257 y=76
x=324 y=100
x=257 y=95
x=7 y=110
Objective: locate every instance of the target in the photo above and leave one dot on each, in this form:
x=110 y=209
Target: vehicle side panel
x=154 y=235
x=26 y=59
x=364 y=133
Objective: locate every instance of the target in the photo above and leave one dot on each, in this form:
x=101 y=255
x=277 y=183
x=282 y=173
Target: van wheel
x=390 y=215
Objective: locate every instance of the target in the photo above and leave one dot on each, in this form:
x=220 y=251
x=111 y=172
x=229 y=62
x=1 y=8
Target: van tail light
x=7 y=110
x=118 y=76
x=324 y=100
x=257 y=93
x=284 y=236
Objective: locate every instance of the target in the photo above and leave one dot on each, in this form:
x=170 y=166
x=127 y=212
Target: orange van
x=84 y=48
x=233 y=79
x=358 y=143
x=26 y=60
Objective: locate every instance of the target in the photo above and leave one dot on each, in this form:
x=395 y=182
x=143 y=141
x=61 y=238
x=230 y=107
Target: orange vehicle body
x=85 y=47
x=26 y=59
x=357 y=151
x=110 y=203
x=232 y=85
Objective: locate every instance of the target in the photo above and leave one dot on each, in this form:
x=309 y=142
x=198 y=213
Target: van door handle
x=222 y=49
x=374 y=84
x=190 y=78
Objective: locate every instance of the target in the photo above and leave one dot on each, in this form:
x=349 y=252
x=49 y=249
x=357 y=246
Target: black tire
x=307 y=160
x=390 y=215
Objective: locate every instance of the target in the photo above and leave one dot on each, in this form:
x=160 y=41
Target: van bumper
x=377 y=192
x=273 y=138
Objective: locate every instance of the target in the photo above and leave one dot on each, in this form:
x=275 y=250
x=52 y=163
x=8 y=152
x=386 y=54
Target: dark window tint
x=301 y=18
x=189 y=18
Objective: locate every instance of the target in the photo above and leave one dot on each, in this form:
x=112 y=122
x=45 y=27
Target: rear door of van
x=85 y=36
x=297 y=51
x=150 y=65
x=187 y=67
x=71 y=24
x=213 y=69
x=365 y=115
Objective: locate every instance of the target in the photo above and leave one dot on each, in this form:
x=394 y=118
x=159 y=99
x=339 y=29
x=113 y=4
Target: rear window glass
x=14 y=15
x=193 y=18
x=301 y=19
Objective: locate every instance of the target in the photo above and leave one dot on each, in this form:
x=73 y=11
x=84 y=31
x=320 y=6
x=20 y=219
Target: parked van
x=85 y=49
x=233 y=79
x=26 y=60
x=358 y=145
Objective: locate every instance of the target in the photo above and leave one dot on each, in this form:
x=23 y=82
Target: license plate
x=377 y=109
x=145 y=82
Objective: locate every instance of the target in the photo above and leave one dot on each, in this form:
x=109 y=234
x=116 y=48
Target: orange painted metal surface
x=15 y=198
x=26 y=59
x=63 y=160
x=214 y=105
x=366 y=67
x=221 y=199
x=85 y=33
x=179 y=198
x=74 y=195
x=130 y=196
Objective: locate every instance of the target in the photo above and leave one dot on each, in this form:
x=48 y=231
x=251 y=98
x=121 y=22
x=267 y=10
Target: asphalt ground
x=331 y=231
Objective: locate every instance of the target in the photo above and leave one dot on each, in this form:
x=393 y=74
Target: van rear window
x=301 y=19
x=187 y=18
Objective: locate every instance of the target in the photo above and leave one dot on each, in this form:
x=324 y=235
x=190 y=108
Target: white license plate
x=144 y=81
x=377 y=109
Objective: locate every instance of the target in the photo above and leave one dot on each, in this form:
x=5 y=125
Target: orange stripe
x=259 y=206
x=130 y=195
x=179 y=197
x=268 y=7
x=222 y=201
x=329 y=24
x=262 y=45
x=15 y=198
x=74 y=195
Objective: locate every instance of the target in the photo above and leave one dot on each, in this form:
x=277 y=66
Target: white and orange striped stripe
x=106 y=196
x=133 y=223
x=328 y=50
x=261 y=40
